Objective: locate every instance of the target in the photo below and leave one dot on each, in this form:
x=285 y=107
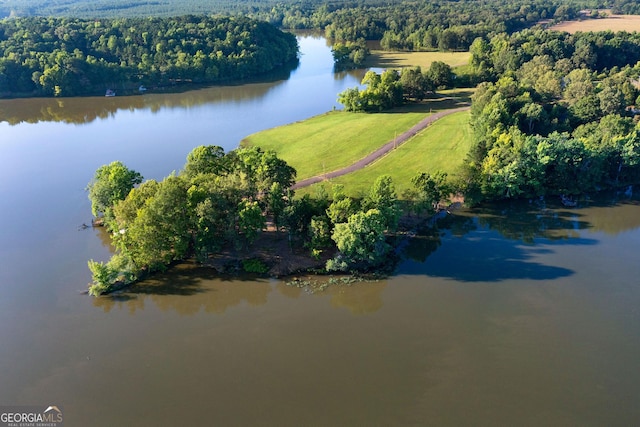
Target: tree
x=250 y=220
x=160 y=232
x=111 y=183
x=611 y=99
x=205 y=159
x=382 y=196
x=415 y=84
x=578 y=85
x=342 y=207
x=382 y=92
x=361 y=242
x=431 y=189
x=531 y=114
x=440 y=75
x=351 y=100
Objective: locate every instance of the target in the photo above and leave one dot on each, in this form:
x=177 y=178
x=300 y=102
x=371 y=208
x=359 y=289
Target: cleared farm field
x=629 y=23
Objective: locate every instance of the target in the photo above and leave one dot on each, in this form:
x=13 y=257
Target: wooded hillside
x=66 y=57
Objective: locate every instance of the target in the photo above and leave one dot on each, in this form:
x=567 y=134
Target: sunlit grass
x=442 y=146
x=384 y=59
x=337 y=139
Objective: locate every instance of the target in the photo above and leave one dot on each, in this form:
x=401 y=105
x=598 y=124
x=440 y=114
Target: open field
x=442 y=146
x=383 y=59
x=337 y=139
x=628 y=23
x=332 y=140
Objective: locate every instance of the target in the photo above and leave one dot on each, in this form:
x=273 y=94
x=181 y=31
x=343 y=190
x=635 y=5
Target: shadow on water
x=82 y=110
x=493 y=243
x=501 y=241
x=189 y=289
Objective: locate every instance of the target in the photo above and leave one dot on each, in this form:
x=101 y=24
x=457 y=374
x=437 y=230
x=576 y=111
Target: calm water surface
x=523 y=314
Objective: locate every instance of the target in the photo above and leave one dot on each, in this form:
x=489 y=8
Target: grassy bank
x=337 y=139
x=332 y=140
x=441 y=146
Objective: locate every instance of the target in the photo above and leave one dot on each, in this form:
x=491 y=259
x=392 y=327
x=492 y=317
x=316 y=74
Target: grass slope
x=442 y=146
x=332 y=140
x=337 y=139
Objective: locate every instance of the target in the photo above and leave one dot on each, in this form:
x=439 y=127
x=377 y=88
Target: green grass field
x=337 y=139
x=332 y=140
x=384 y=59
x=442 y=146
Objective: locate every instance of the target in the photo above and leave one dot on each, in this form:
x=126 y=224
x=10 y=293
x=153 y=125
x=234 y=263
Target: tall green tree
x=382 y=196
x=430 y=189
x=111 y=183
x=361 y=242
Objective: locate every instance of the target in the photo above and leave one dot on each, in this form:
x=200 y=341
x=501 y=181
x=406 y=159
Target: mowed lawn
x=442 y=146
x=332 y=140
x=384 y=59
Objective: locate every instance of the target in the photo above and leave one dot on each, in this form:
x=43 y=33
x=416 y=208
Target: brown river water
x=523 y=314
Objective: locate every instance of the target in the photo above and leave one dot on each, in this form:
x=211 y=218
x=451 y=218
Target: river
x=514 y=314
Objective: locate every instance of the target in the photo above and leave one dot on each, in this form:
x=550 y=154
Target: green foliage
x=66 y=57
x=103 y=277
x=415 y=84
x=382 y=197
x=430 y=189
x=299 y=213
x=217 y=200
x=342 y=207
x=254 y=265
x=440 y=75
x=361 y=242
x=384 y=91
x=349 y=54
x=250 y=220
x=320 y=230
x=205 y=159
x=110 y=184
x=549 y=86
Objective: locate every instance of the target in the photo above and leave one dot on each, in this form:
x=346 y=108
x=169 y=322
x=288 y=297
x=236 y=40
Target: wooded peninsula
x=70 y=56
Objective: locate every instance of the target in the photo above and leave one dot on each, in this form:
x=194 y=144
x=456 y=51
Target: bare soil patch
x=628 y=23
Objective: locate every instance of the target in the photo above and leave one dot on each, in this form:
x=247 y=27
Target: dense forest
x=68 y=56
x=403 y=24
x=556 y=115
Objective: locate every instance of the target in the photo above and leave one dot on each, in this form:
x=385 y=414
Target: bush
x=254 y=265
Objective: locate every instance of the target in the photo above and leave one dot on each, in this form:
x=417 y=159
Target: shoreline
x=273 y=249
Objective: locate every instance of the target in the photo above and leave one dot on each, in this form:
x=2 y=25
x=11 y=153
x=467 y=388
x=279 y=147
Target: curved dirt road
x=400 y=139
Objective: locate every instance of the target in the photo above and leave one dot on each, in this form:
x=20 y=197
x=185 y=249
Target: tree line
x=402 y=24
x=224 y=200
x=67 y=56
x=393 y=88
x=556 y=116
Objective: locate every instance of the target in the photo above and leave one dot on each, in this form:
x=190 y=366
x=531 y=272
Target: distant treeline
x=625 y=7
x=68 y=56
x=400 y=24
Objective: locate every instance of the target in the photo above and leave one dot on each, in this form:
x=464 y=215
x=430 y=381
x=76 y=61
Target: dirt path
x=399 y=140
